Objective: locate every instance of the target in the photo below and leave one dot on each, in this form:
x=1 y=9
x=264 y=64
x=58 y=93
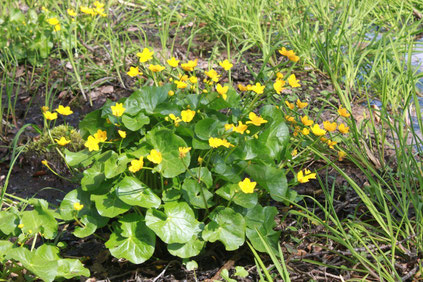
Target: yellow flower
x=222 y=90
x=118 y=109
x=173 y=62
x=341 y=155
x=146 y=55
x=71 y=12
x=305 y=131
x=256 y=120
x=226 y=65
x=44 y=109
x=53 y=21
x=49 y=115
x=64 y=111
x=20 y=226
x=187 y=115
x=200 y=160
x=291 y=106
x=190 y=65
x=156 y=68
x=88 y=11
x=217 y=142
x=240 y=128
x=155 y=156
x=57 y=27
x=77 y=206
x=213 y=75
x=343 y=128
x=242 y=87
x=44 y=162
x=180 y=84
x=134 y=72
x=331 y=143
x=101 y=135
x=183 y=151
x=317 y=130
x=62 y=141
x=258 y=88
x=136 y=165
x=193 y=79
x=300 y=104
x=247 y=186
x=171 y=93
x=279 y=85
x=290 y=54
x=290 y=118
x=279 y=76
x=293 y=81
x=183 y=77
x=294 y=152
x=306 y=121
x=92 y=144
x=176 y=119
x=122 y=133
x=228 y=126
x=343 y=112
x=98 y=4
x=329 y=126
x=305 y=176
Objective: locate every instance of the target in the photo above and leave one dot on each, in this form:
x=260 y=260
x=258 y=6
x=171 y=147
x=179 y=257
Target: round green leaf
x=8 y=222
x=40 y=219
x=109 y=204
x=133 y=192
x=189 y=249
x=115 y=165
x=133 y=241
x=208 y=127
x=227 y=226
x=193 y=193
x=177 y=224
x=271 y=178
x=136 y=122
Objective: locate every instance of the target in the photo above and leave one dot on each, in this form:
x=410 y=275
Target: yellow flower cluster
x=93 y=141
x=217 y=142
x=290 y=54
x=304 y=177
x=98 y=9
x=54 y=22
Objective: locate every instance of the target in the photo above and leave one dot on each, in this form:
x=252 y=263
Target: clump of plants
x=186 y=163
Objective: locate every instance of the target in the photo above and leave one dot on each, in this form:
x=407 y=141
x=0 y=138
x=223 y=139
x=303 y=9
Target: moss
x=43 y=148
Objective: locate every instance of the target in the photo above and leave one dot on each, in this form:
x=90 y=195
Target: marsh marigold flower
x=305 y=131
x=187 y=115
x=77 y=206
x=217 y=142
x=44 y=109
x=155 y=156
x=146 y=55
x=242 y=87
x=64 y=111
x=173 y=62
x=291 y=106
x=258 y=88
x=306 y=121
x=256 y=120
x=156 y=68
x=180 y=84
x=53 y=21
x=329 y=126
x=222 y=90
x=240 y=128
x=62 y=141
x=100 y=135
x=71 y=12
x=92 y=144
x=341 y=155
x=331 y=143
x=290 y=54
x=343 y=128
x=300 y=104
x=171 y=93
x=213 y=75
x=134 y=72
x=247 y=186
x=226 y=65
x=304 y=177
x=279 y=85
x=343 y=112
x=190 y=65
x=136 y=165
x=193 y=79
x=293 y=81
x=49 y=115
x=290 y=118
x=122 y=133
x=118 y=109
x=317 y=130
x=183 y=151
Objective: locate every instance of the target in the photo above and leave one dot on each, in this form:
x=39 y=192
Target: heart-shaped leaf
x=109 y=204
x=196 y=195
x=133 y=192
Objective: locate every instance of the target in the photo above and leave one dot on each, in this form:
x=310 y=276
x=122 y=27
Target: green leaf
x=202 y=173
x=133 y=192
x=177 y=224
x=228 y=173
x=136 y=122
x=276 y=135
x=115 y=165
x=191 y=191
x=227 y=226
x=167 y=143
x=79 y=159
x=234 y=193
x=225 y=275
x=69 y=268
x=91 y=123
x=240 y=272
x=189 y=249
x=192 y=265
x=264 y=220
x=208 y=127
x=8 y=223
x=271 y=178
x=93 y=177
x=5 y=246
x=109 y=204
x=146 y=99
x=133 y=241
x=40 y=219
